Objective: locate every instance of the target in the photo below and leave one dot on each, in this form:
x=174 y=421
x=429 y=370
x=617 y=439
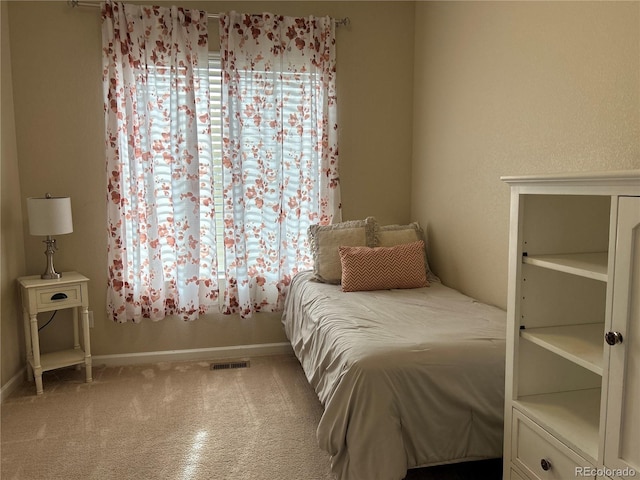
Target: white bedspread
x=407 y=378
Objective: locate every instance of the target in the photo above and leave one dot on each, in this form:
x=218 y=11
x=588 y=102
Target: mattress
x=407 y=378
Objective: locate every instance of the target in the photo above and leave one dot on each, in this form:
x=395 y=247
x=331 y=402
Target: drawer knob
x=58 y=296
x=545 y=464
x=613 y=338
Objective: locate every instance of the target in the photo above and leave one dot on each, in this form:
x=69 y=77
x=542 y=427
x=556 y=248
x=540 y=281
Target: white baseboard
x=9 y=387
x=214 y=353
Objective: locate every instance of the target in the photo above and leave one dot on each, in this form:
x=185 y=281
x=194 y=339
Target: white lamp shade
x=49 y=216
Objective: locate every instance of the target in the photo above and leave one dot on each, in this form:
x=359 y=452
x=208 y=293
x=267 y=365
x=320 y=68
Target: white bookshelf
x=573 y=332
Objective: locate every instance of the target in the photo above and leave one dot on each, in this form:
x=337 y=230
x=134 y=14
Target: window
x=215 y=98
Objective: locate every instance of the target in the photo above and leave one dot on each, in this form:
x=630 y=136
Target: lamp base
x=50 y=272
x=51 y=276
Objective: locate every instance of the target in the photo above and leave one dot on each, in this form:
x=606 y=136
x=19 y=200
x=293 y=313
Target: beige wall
x=56 y=63
x=508 y=88
x=12 y=264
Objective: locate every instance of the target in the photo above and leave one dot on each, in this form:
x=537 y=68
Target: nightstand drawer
x=539 y=454
x=63 y=296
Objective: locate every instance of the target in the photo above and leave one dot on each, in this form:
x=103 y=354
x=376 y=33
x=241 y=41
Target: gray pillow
x=325 y=240
x=392 y=235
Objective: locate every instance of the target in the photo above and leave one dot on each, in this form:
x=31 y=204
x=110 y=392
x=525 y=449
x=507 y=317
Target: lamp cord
x=48 y=322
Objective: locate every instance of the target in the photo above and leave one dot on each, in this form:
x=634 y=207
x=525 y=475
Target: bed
x=407 y=377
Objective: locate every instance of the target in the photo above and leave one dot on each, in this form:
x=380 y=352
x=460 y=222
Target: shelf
x=589 y=265
x=573 y=417
x=581 y=344
x=62 y=358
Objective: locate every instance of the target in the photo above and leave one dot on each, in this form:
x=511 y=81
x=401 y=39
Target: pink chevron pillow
x=383 y=268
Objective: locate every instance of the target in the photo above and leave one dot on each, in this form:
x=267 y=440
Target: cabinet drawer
x=516 y=476
x=64 y=296
x=532 y=447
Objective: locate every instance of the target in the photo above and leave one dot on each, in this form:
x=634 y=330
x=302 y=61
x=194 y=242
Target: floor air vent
x=230 y=365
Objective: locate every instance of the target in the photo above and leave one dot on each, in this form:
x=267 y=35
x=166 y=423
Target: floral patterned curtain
x=280 y=151
x=161 y=246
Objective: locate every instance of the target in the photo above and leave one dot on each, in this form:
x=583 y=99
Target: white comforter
x=407 y=378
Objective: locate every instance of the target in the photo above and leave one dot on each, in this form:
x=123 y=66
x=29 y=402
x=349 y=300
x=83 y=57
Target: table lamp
x=49 y=216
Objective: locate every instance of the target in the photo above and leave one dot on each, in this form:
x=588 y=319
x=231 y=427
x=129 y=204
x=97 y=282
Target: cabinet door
x=622 y=434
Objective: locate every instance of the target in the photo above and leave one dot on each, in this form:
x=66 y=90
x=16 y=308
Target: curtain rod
x=346 y=21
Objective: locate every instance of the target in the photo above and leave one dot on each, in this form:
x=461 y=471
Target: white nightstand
x=38 y=295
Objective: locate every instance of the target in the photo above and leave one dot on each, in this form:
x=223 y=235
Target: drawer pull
x=58 y=296
x=545 y=464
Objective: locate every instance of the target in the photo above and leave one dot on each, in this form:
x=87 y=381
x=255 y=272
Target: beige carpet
x=176 y=421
